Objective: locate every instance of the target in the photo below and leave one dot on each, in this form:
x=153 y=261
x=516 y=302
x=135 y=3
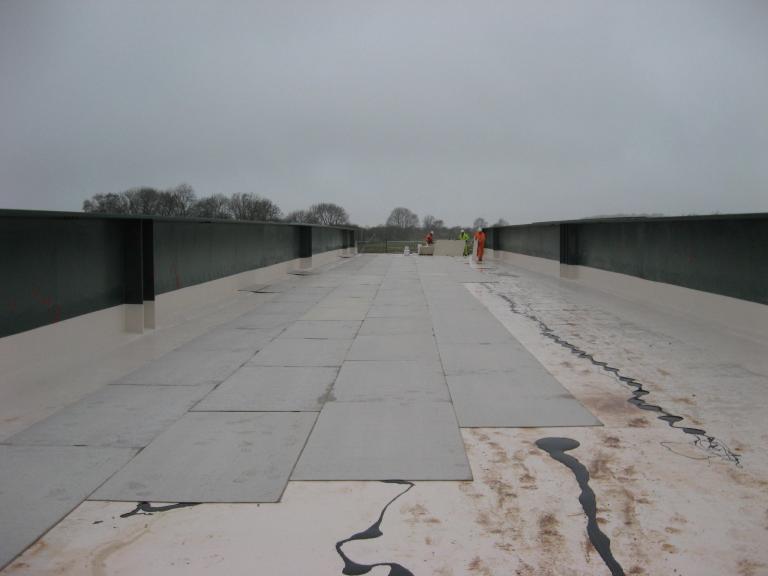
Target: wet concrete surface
x=667 y=503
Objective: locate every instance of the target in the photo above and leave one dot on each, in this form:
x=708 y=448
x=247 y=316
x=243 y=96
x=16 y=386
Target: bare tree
x=216 y=206
x=402 y=218
x=501 y=222
x=328 y=214
x=144 y=200
x=179 y=200
x=480 y=223
x=111 y=203
x=428 y=222
x=300 y=217
x=182 y=201
x=253 y=207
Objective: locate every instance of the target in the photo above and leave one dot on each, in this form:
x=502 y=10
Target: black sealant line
x=557 y=448
x=352 y=568
x=146 y=508
x=705 y=441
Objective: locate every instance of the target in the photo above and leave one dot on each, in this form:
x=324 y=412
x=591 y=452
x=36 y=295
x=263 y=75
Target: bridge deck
x=288 y=413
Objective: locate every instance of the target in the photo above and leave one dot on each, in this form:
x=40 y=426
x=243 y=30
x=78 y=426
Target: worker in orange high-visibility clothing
x=480 y=237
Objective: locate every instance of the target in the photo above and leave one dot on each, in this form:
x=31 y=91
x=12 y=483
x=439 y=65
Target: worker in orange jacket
x=480 y=237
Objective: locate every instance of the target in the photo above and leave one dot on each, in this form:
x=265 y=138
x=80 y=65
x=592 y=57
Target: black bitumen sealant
x=145 y=508
x=557 y=448
x=707 y=442
x=352 y=568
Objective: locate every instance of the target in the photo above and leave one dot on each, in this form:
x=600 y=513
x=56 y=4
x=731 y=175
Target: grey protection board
x=383 y=440
x=330 y=329
x=272 y=389
x=515 y=400
x=189 y=368
x=294 y=309
x=400 y=381
x=309 y=352
x=384 y=326
x=395 y=311
x=215 y=457
x=468 y=328
x=505 y=356
x=258 y=321
x=116 y=416
x=356 y=312
x=394 y=347
x=39 y=485
x=233 y=339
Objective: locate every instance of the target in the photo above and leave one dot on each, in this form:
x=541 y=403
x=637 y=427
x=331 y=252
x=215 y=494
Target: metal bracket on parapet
x=139 y=275
x=304 y=265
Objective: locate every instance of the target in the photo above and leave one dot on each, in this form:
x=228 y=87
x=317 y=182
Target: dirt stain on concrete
x=612 y=442
x=477 y=566
x=418 y=514
x=750 y=568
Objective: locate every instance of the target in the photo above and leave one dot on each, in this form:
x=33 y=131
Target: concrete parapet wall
x=726 y=255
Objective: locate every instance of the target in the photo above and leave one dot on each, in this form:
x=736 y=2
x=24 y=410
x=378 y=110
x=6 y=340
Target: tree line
x=181 y=201
x=404 y=224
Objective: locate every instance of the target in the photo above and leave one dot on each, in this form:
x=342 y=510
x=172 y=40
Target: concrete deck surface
x=397 y=353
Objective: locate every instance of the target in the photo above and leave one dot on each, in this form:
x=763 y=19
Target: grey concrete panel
x=355 y=291
x=395 y=311
x=451 y=303
x=384 y=440
x=215 y=457
x=189 y=368
x=399 y=381
x=309 y=352
x=272 y=389
x=39 y=485
x=394 y=293
x=366 y=279
x=515 y=400
x=405 y=284
x=469 y=329
x=384 y=326
x=294 y=309
x=400 y=298
x=493 y=357
x=299 y=297
x=319 y=291
x=393 y=347
x=356 y=312
x=330 y=329
x=115 y=416
x=258 y=321
x=345 y=301
x=233 y=339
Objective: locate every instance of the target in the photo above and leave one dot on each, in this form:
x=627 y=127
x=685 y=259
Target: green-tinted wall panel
x=189 y=253
x=55 y=269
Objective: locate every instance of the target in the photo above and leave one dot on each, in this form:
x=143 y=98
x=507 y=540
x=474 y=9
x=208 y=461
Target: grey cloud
x=523 y=110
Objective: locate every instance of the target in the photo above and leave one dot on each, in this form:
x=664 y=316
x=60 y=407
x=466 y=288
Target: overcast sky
x=523 y=109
